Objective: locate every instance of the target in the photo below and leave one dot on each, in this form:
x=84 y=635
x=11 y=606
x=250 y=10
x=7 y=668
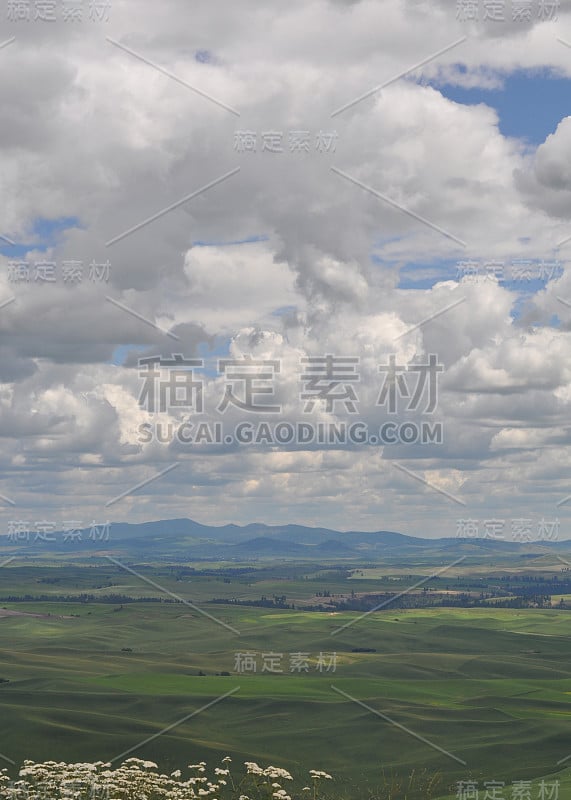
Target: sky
x=384 y=182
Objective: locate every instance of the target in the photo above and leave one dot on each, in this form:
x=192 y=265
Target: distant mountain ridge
x=186 y=539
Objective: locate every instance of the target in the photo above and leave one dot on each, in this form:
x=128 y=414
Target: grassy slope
x=491 y=687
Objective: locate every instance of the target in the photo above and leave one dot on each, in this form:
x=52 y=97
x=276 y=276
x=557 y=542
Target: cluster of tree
x=277 y=601
x=433 y=599
x=371 y=601
x=230 y=572
x=547 y=587
x=529 y=600
x=82 y=598
x=534 y=579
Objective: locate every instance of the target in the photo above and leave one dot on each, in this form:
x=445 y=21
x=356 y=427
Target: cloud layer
x=289 y=247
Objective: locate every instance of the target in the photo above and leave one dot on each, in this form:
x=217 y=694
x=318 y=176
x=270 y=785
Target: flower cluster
x=137 y=779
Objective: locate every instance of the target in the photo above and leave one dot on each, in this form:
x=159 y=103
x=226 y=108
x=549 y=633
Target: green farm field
x=438 y=687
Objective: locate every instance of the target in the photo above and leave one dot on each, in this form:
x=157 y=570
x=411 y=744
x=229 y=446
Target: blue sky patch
x=249 y=240
x=203 y=57
x=220 y=349
x=530 y=104
x=45 y=233
x=122 y=351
